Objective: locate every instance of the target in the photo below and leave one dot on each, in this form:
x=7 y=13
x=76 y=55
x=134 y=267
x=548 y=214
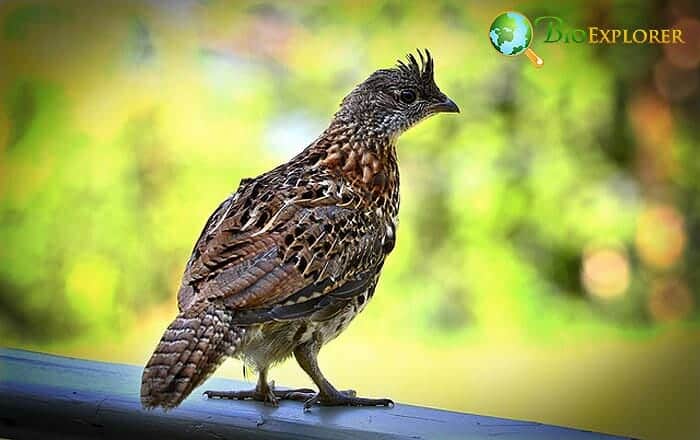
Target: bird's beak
x=445 y=106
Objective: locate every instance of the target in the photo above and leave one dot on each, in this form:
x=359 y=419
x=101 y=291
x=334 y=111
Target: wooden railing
x=44 y=396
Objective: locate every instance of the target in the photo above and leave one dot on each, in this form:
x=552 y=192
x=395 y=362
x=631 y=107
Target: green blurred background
x=546 y=266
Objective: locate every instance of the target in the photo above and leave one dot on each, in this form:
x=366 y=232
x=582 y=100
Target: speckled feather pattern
x=293 y=254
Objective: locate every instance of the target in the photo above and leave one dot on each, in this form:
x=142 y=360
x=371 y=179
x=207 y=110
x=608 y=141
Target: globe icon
x=511 y=34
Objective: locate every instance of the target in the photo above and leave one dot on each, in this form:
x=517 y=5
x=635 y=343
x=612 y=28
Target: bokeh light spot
x=674 y=83
x=670 y=300
x=686 y=56
x=606 y=272
x=661 y=236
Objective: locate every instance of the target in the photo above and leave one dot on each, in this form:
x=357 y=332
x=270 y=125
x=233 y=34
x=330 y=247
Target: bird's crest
x=422 y=71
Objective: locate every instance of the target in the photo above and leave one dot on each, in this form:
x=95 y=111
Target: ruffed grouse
x=287 y=261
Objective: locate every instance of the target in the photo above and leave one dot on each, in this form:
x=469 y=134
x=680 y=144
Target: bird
x=288 y=260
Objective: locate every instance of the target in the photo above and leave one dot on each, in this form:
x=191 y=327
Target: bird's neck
x=363 y=156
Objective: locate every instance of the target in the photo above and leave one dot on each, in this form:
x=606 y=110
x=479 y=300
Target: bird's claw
x=270 y=395
x=345 y=398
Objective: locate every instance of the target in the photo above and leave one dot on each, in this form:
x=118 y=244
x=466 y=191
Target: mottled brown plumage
x=287 y=261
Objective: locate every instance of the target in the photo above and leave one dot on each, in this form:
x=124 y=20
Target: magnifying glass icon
x=511 y=34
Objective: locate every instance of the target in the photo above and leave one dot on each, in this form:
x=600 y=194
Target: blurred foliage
x=562 y=201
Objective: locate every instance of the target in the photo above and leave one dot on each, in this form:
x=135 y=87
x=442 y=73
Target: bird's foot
x=344 y=398
x=268 y=395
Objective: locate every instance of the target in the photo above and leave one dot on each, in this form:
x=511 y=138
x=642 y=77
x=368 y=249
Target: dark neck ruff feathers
x=366 y=159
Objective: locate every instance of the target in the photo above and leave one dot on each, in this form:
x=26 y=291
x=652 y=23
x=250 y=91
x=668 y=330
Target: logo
x=511 y=34
x=557 y=31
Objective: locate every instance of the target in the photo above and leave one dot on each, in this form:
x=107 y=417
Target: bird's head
x=392 y=100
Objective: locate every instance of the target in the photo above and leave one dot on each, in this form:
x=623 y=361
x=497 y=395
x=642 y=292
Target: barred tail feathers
x=192 y=347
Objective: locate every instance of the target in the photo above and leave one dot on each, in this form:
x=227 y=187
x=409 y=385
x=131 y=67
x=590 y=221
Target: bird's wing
x=283 y=250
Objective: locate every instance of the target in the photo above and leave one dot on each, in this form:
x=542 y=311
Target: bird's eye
x=407 y=96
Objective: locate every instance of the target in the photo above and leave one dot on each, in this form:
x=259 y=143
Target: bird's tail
x=189 y=351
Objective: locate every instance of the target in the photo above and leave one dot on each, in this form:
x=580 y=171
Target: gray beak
x=446 y=106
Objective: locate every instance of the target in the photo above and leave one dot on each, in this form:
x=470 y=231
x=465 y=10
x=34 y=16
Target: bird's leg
x=264 y=391
x=306 y=355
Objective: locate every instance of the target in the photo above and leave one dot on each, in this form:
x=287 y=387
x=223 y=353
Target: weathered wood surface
x=44 y=396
